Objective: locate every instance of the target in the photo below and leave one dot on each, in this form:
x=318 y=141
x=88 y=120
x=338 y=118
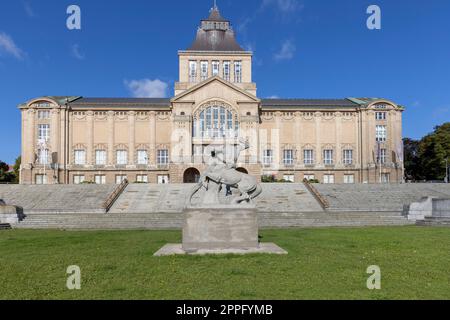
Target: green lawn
x=322 y=264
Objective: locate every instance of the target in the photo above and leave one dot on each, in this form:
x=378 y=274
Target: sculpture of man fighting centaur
x=222 y=172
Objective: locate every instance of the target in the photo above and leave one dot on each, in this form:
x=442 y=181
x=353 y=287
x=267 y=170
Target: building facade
x=69 y=140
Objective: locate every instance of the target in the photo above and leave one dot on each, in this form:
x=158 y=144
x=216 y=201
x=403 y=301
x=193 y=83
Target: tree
x=5 y=175
x=413 y=171
x=16 y=168
x=433 y=150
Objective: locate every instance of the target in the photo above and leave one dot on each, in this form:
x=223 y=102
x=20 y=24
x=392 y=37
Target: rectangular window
x=288 y=157
x=204 y=70
x=163 y=179
x=192 y=71
x=385 y=178
x=142 y=157
x=289 y=178
x=380 y=115
x=328 y=158
x=215 y=68
x=238 y=71
x=308 y=156
x=41 y=179
x=349 y=179
x=163 y=157
x=43 y=156
x=348 y=157
x=382 y=157
x=122 y=157
x=142 y=178
x=44 y=132
x=267 y=157
x=381 y=133
x=44 y=114
x=78 y=179
x=120 y=178
x=80 y=157
x=226 y=70
x=100 y=157
x=100 y=179
x=309 y=177
x=328 y=179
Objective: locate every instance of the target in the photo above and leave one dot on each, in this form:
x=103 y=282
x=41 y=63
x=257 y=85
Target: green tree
x=433 y=150
x=16 y=168
x=5 y=175
x=413 y=170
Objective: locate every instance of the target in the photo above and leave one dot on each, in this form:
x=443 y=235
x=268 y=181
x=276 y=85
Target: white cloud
x=76 y=53
x=147 y=88
x=28 y=9
x=284 y=6
x=8 y=46
x=286 y=52
x=273 y=97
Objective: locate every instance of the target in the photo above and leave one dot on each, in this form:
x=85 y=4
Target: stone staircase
x=434 y=222
x=5 y=226
x=150 y=198
x=168 y=221
x=379 y=197
x=57 y=198
x=156 y=207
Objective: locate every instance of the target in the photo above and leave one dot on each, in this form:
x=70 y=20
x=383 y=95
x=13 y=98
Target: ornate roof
x=215 y=34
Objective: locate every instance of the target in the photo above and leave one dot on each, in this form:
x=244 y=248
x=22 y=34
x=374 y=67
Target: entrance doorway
x=191 y=175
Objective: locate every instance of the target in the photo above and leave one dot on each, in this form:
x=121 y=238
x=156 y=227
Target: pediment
x=215 y=88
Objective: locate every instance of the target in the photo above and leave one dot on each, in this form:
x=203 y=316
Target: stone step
x=152 y=221
x=434 y=222
x=5 y=226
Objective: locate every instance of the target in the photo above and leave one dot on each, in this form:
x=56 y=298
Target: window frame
x=79 y=160
x=308 y=157
x=162 y=158
x=327 y=160
x=101 y=161
x=288 y=157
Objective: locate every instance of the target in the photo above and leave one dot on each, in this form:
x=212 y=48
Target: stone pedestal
x=220 y=228
x=8 y=214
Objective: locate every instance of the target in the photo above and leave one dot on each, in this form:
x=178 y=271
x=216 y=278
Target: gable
x=216 y=88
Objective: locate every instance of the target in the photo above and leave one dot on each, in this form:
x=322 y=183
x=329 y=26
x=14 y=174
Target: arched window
x=215 y=120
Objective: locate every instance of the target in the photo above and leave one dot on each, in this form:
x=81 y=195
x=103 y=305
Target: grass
x=322 y=264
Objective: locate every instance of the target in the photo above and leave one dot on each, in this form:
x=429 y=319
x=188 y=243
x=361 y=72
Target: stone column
x=55 y=131
x=232 y=71
x=298 y=145
x=152 y=155
x=111 y=138
x=90 y=138
x=31 y=115
x=318 y=155
x=131 y=137
x=339 y=154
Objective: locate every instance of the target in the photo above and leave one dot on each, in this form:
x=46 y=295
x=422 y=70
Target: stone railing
x=321 y=199
x=115 y=195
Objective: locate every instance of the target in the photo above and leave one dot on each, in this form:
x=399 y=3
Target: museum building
x=73 y=140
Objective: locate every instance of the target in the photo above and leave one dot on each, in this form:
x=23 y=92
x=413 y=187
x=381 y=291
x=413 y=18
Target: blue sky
x=303 y=49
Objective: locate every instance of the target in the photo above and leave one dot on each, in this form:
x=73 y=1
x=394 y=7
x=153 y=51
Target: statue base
x=220 y=230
